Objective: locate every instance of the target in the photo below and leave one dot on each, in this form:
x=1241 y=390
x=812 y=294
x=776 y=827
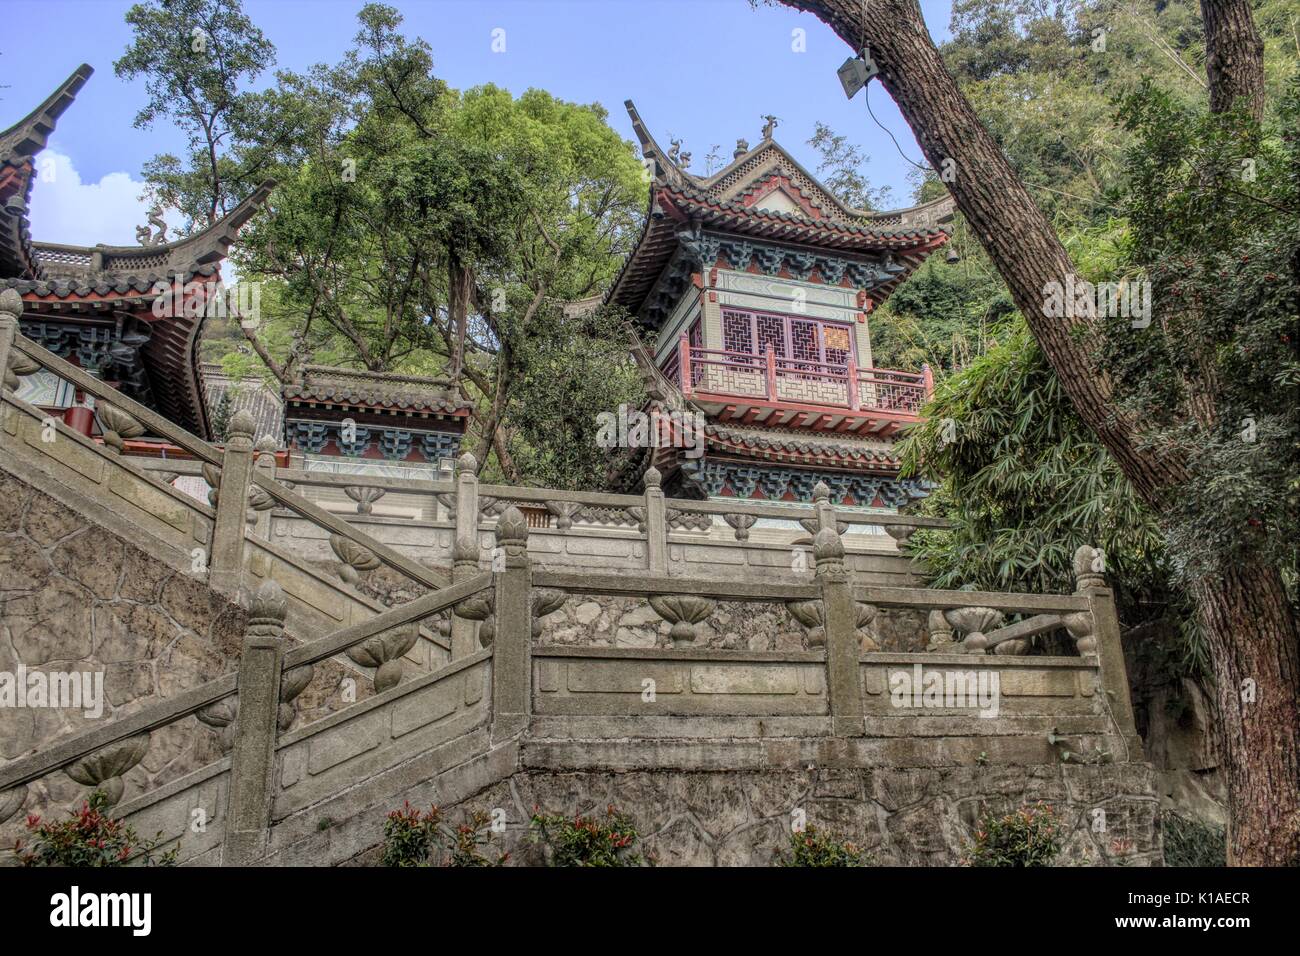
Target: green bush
x=587 y=841
x=1190 y=842
x=89 y=837
x=813 y=847
x=1030 y=836
x=413 y=838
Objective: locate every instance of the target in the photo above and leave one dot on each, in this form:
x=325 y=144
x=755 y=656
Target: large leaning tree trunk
x=1249 y=624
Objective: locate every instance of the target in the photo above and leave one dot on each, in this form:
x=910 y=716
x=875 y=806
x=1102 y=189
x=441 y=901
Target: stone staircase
x=311 y=721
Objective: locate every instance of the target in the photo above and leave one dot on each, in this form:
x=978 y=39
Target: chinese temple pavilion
x=98 y=306
x=756 y=285
x=372 y=418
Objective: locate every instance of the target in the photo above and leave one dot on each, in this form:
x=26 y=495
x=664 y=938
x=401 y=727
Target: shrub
x=587 y=841
x=89 y=837
x=1030 y=836
x=813 y=847
x=415 y=838
x=1190 y=842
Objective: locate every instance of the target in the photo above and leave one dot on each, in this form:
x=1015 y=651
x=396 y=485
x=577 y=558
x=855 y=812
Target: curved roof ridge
x=29 y=135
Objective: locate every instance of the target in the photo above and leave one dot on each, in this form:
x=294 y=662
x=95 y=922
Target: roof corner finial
x=770 y=126
x=145 y=236
x=742 y=147
x=674 y=150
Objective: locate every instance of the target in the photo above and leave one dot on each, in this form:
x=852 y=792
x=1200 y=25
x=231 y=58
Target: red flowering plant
x=813 y=847
x=416 y=838
x=587 y=841
x=89 y=837
x=1030 y=836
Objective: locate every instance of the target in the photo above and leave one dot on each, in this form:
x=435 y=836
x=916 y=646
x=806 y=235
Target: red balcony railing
x=775 y=379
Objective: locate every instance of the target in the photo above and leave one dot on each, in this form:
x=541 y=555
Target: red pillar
x=684 y=363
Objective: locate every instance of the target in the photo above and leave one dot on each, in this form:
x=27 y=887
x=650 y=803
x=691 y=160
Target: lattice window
x=738 y=332
x=771 y=332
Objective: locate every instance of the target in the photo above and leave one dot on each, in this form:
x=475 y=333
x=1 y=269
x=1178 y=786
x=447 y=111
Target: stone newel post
x=252 y=763
x=11 y=307
x=465 y=550
x=840 y=613
x=226 y=563
x=512 y=659
x=656 y=523
x=1096 y=632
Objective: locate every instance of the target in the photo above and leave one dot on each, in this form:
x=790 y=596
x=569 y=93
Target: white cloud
x=65 y=209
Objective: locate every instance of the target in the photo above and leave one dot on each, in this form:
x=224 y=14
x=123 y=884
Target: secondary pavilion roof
x=102 y=286
x=766 y=195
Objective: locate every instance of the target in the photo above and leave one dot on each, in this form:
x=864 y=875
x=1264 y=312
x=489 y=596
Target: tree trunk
x=1234 y=56
x=1250 y=626
x=1256 y=654
x=1010 y=226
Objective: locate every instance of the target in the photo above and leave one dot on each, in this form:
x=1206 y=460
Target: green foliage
x=814 y=847
x=193 y=56
x=587 y=841
x=1214 y=207
x=567 y=377
x=1030 y=836
x=842 y=169
x=89 y=837
x=415 y=838
x=221 y=416
x=1189 y=842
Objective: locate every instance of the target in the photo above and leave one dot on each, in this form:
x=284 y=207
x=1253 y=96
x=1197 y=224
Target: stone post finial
x=241 y=428
x=11 y=303
x=268 y=605
x=266 y=445
x=512 y=537
x=1089 y=569
x=652 y=477
x=467 y=464
x=828 y=552
x=821 y=492
x=464 y=553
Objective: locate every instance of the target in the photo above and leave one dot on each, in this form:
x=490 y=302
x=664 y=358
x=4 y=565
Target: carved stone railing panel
x=973 y=622
x=365 y=496
x=683 y=612
x=355 y=560
x=384 y=651
x=221 y=717
x=563 y=512
x=104 y=769
x=11 y=801
x=740 y=524
x=688 y=520
x=119 y=426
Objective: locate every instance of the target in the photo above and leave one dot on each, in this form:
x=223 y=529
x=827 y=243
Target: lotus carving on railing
x=384 y=651
x=11 y=801
x=118 y=426
x=356 y=559
x=683 y=612
x=974 y=622
x=812 y=616
x=104 y=769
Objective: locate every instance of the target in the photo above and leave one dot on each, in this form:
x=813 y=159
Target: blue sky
x=704 y=71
